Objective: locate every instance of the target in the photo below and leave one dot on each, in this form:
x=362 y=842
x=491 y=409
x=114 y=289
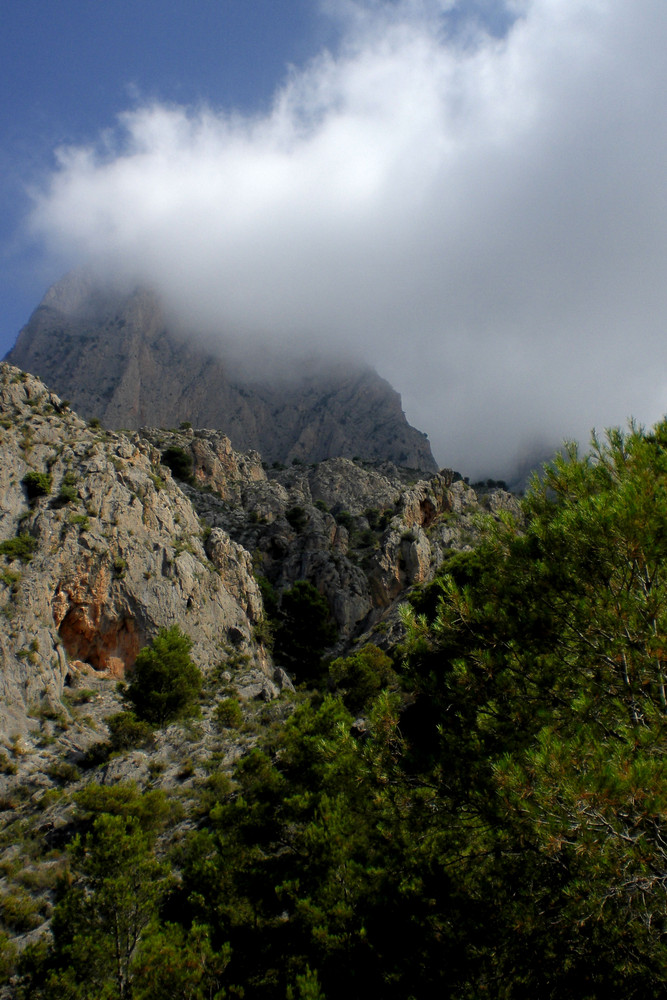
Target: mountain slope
x=99 y=549
x=116 y=358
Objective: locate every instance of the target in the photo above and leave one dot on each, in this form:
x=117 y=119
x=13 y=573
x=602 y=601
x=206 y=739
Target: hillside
x=116 y=357
x=101 y=547
x=116 y=548
x=326 y=730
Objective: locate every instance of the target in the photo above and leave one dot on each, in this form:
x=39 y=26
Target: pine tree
x=165 y=682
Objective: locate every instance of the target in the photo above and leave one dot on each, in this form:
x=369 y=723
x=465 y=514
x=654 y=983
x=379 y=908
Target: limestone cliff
x=362 y=534
x=116 y=357
x=99 y=548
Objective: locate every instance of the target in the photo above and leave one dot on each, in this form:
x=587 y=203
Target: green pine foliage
x=166 y=684
x=228 y=714
x=545 y=664
x=114 y=895
x=304 y=630
x=37 y=484
x=126 y=732
x=21 y=547
x=360 y=677
x=494 y=826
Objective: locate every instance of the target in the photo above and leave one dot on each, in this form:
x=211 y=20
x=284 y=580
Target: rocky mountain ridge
x=99 y=551
x=101 y=546
x=116 y=357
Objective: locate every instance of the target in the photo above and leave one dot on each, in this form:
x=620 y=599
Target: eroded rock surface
x=111 y=552
x=362 y=534
x=102 y=546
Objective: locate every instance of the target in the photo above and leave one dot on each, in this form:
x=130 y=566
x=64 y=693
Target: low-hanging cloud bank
x=483 y=219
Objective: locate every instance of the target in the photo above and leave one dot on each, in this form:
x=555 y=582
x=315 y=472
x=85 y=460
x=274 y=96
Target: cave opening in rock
x=110 y=647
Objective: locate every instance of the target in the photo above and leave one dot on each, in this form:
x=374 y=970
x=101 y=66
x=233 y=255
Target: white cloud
x=484 y=219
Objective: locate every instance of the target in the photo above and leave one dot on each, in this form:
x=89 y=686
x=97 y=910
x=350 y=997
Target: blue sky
x=68 y=67
x=467 y=194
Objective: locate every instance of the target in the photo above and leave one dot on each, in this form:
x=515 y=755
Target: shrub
x=361 y=676
x=166 y=683
x=179 y=462
x=263 y=632
x=385 y=518
x=305 y=629
x=37 y=484
x=186 y=770
x=79 y=696
x=20 y=912
x=80 y=520
x=126 y=732
x=8 y=956
x=228 y=714
x=297 y=518
x=269 y=596
x=119 y=567
x=21 y=547
x=7 y=766
x=367 y=538
x=10 y=579
x=345 y=519
x=64 y=772
x=68 y=492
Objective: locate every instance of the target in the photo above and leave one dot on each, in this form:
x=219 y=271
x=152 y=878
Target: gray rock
x=117 y=555
x=121 y=549
x=115 y=357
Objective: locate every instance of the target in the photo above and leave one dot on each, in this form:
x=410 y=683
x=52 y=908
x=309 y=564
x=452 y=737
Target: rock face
x=362 y=534
x=114 y=357
x=99 y=549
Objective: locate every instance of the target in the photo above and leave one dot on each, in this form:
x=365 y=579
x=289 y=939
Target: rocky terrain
x=116 y=357
x=101 y=546
x=100 y=549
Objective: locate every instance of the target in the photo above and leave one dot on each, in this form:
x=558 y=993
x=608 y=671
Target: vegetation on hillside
x=165 y=682
x=493 y=827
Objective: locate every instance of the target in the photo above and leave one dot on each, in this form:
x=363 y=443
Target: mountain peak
x=114 y=355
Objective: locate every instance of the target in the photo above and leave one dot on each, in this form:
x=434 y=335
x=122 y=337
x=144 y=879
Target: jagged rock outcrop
x=99 y=548
x=362 y=535
x=116 y=358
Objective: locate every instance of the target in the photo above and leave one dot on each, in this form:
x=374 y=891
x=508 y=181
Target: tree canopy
x=496 y=827
x=165 y=682
x=544 y=664
x=304 y=630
